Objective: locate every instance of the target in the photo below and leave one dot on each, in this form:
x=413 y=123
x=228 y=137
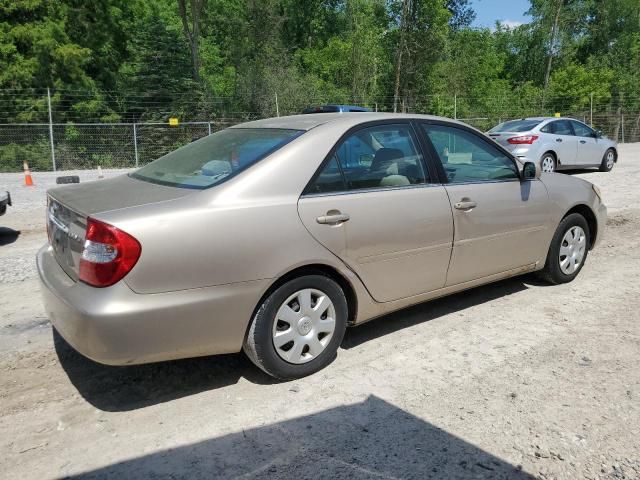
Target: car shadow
x=117 y=389
x=370 y=439
x=8 y=235
x=124 y=388
x=578 y=171
x=433 y=309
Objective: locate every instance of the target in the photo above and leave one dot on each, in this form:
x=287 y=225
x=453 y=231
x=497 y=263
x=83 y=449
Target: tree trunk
x=400 y=51
x=554 y=34
x=356 y=57
x=192 y=33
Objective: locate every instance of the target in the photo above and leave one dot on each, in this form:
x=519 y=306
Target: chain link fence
x=87 y=145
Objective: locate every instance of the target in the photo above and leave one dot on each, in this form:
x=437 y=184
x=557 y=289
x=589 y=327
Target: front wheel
x=548 y=163
x=298 y=328
x=608 y=161
x=568 y=250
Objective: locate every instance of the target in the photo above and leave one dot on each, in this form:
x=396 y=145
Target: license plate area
x=66 y=236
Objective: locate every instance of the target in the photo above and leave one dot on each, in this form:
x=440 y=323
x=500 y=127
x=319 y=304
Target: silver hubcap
x=547 y=164
x=572 y=249
x=610 y=160
x=304 y=325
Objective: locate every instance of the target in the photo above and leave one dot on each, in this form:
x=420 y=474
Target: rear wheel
x=298 y=328
x=608 y=161
x=548 y=162
x=568 y=250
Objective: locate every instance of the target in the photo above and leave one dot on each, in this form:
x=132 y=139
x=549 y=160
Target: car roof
x=347 y=119
x=541 y=119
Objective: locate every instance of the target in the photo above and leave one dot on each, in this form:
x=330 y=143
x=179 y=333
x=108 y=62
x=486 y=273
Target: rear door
x=590 y=151
x=383 y=215
x=500 y=222
x=561 y=139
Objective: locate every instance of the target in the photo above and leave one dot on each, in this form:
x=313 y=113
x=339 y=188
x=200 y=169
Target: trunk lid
x=502 y=137
x=68 y=208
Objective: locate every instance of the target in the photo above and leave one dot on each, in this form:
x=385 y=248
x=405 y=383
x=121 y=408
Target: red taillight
x=523 y=140
x=108 y=255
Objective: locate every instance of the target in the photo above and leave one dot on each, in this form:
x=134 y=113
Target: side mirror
x=530 y=171
x=599 y=134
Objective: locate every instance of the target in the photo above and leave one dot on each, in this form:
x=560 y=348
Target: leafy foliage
x=137 y=60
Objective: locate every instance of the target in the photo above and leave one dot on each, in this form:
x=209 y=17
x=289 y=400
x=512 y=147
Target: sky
x=510 y=12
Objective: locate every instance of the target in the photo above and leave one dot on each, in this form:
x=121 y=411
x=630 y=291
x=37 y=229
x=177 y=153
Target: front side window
x=469 y=158
x=210 y=160
x=582 y=130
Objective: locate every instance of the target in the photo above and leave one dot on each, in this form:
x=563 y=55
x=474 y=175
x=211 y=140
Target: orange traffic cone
x=28 y=181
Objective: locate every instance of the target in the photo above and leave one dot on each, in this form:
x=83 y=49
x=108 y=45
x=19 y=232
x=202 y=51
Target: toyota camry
x=276 y=235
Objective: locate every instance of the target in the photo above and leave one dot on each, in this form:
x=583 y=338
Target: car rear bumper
x=117 y=326
x=526 y=153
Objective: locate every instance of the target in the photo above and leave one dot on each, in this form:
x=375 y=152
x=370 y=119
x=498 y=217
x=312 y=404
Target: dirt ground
x=512 y=380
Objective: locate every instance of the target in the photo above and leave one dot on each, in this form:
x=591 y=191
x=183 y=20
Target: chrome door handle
x=558 y=139
x=465 y=205
x=332 y=218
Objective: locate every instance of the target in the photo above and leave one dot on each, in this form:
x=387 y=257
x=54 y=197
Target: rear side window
x=469 y=158
x=559 y=127
x=516 y=126
x=329 y=180
x=382 y=156
x=210 y=160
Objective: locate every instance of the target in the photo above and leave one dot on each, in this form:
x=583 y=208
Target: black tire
x=606 y=166
x=552 y=272
x=259 y=345
x=549 y=156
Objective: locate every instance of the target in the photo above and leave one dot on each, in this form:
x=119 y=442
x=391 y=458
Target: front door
x=374 y=206
x=499 y=221
x=590 y=150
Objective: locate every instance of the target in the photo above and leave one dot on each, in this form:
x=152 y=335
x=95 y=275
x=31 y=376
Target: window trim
x=435 y=157
x=432 y=175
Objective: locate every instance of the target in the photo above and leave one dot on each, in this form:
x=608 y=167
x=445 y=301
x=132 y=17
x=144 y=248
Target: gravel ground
x=511 y=380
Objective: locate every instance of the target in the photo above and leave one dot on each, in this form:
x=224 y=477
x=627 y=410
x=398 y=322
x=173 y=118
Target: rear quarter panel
x=243 y=230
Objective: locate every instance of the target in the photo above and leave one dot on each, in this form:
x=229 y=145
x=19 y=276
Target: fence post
x=622 y=124
x=591 y=110
x=53 y=151
x=209 y=127
x=455 y=106
x=135 y=143
x=277 y=106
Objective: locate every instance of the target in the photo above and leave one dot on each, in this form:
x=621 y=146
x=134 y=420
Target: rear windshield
x=516 y=126
x=212 y=159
